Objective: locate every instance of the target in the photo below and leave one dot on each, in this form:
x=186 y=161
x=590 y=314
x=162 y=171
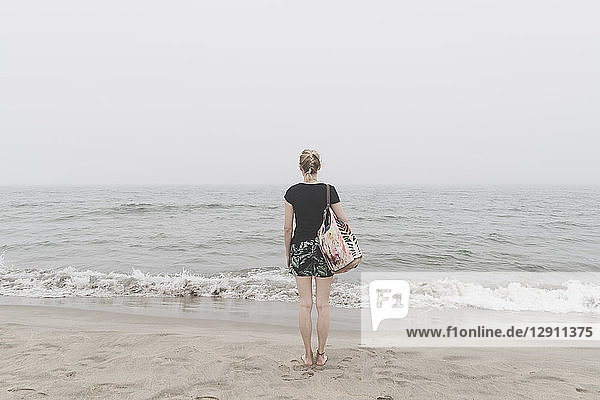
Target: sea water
x=226 y=242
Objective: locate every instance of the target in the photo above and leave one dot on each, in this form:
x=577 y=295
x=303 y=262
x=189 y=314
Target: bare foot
x=305 y=359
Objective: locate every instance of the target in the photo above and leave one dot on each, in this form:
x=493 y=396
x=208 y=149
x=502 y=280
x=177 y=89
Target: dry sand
x=66 y=353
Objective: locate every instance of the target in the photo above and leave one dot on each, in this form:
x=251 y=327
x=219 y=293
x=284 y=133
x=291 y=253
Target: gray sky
x=231 y=91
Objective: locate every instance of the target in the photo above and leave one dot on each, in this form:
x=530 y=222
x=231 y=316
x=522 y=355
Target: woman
x=307 y=201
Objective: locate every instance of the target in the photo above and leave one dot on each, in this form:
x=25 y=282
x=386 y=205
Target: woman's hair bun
x=309 y=161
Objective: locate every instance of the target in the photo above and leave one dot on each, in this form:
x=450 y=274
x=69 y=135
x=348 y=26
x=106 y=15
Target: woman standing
x=307 y=201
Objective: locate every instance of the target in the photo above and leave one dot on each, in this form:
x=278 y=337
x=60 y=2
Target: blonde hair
x=310 y=161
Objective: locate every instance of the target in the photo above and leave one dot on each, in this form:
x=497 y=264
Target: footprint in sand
x=368 y=350
x=284 y=368
x=299 y=366
x=304 y=375
x=334 y=374
x=343 y=363
x=30 y=390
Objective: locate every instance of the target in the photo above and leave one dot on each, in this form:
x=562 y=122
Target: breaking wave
x=275 y=284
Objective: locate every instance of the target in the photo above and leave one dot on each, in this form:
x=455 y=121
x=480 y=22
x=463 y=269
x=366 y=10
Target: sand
x=51 y=352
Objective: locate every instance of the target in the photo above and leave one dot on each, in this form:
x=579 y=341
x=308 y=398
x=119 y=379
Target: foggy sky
x=227 y=91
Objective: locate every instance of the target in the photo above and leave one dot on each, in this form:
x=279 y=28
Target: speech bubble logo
x=388 y=299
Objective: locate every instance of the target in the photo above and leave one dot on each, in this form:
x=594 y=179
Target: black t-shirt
x=309 y=201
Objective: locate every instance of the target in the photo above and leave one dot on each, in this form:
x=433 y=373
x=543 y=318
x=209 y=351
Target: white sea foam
x=275 y=284
x=569 y=296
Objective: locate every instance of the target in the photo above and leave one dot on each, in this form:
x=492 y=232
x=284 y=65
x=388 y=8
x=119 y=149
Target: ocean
x=211 y=242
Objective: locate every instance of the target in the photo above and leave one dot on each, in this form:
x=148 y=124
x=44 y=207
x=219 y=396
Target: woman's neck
x=308 y=180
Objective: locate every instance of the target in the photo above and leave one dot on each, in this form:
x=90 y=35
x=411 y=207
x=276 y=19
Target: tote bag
x=338 y=244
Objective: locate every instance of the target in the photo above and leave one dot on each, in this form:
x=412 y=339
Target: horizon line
x=96 y=184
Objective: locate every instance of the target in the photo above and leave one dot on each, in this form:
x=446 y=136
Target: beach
x=170 y=292
x=55 y=352
x=168 y=169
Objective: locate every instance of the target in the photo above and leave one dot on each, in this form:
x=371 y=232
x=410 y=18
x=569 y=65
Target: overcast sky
x=231 y=91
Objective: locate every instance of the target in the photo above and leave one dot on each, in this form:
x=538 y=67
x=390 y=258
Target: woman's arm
x=339 y=213
x=287 y=229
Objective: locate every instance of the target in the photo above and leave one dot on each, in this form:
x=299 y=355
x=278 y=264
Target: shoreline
x=67 y=353
x=277 y=313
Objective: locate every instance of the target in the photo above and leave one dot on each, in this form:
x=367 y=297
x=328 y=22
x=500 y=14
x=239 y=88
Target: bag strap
x=327 y=207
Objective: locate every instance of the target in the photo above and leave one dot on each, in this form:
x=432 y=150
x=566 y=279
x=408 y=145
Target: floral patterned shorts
x=306 y=259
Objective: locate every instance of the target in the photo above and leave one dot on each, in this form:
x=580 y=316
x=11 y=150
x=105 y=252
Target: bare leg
x=323 y=289
x=304 y=320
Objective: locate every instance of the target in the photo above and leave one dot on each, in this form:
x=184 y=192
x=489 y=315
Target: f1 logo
x=388 y=299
